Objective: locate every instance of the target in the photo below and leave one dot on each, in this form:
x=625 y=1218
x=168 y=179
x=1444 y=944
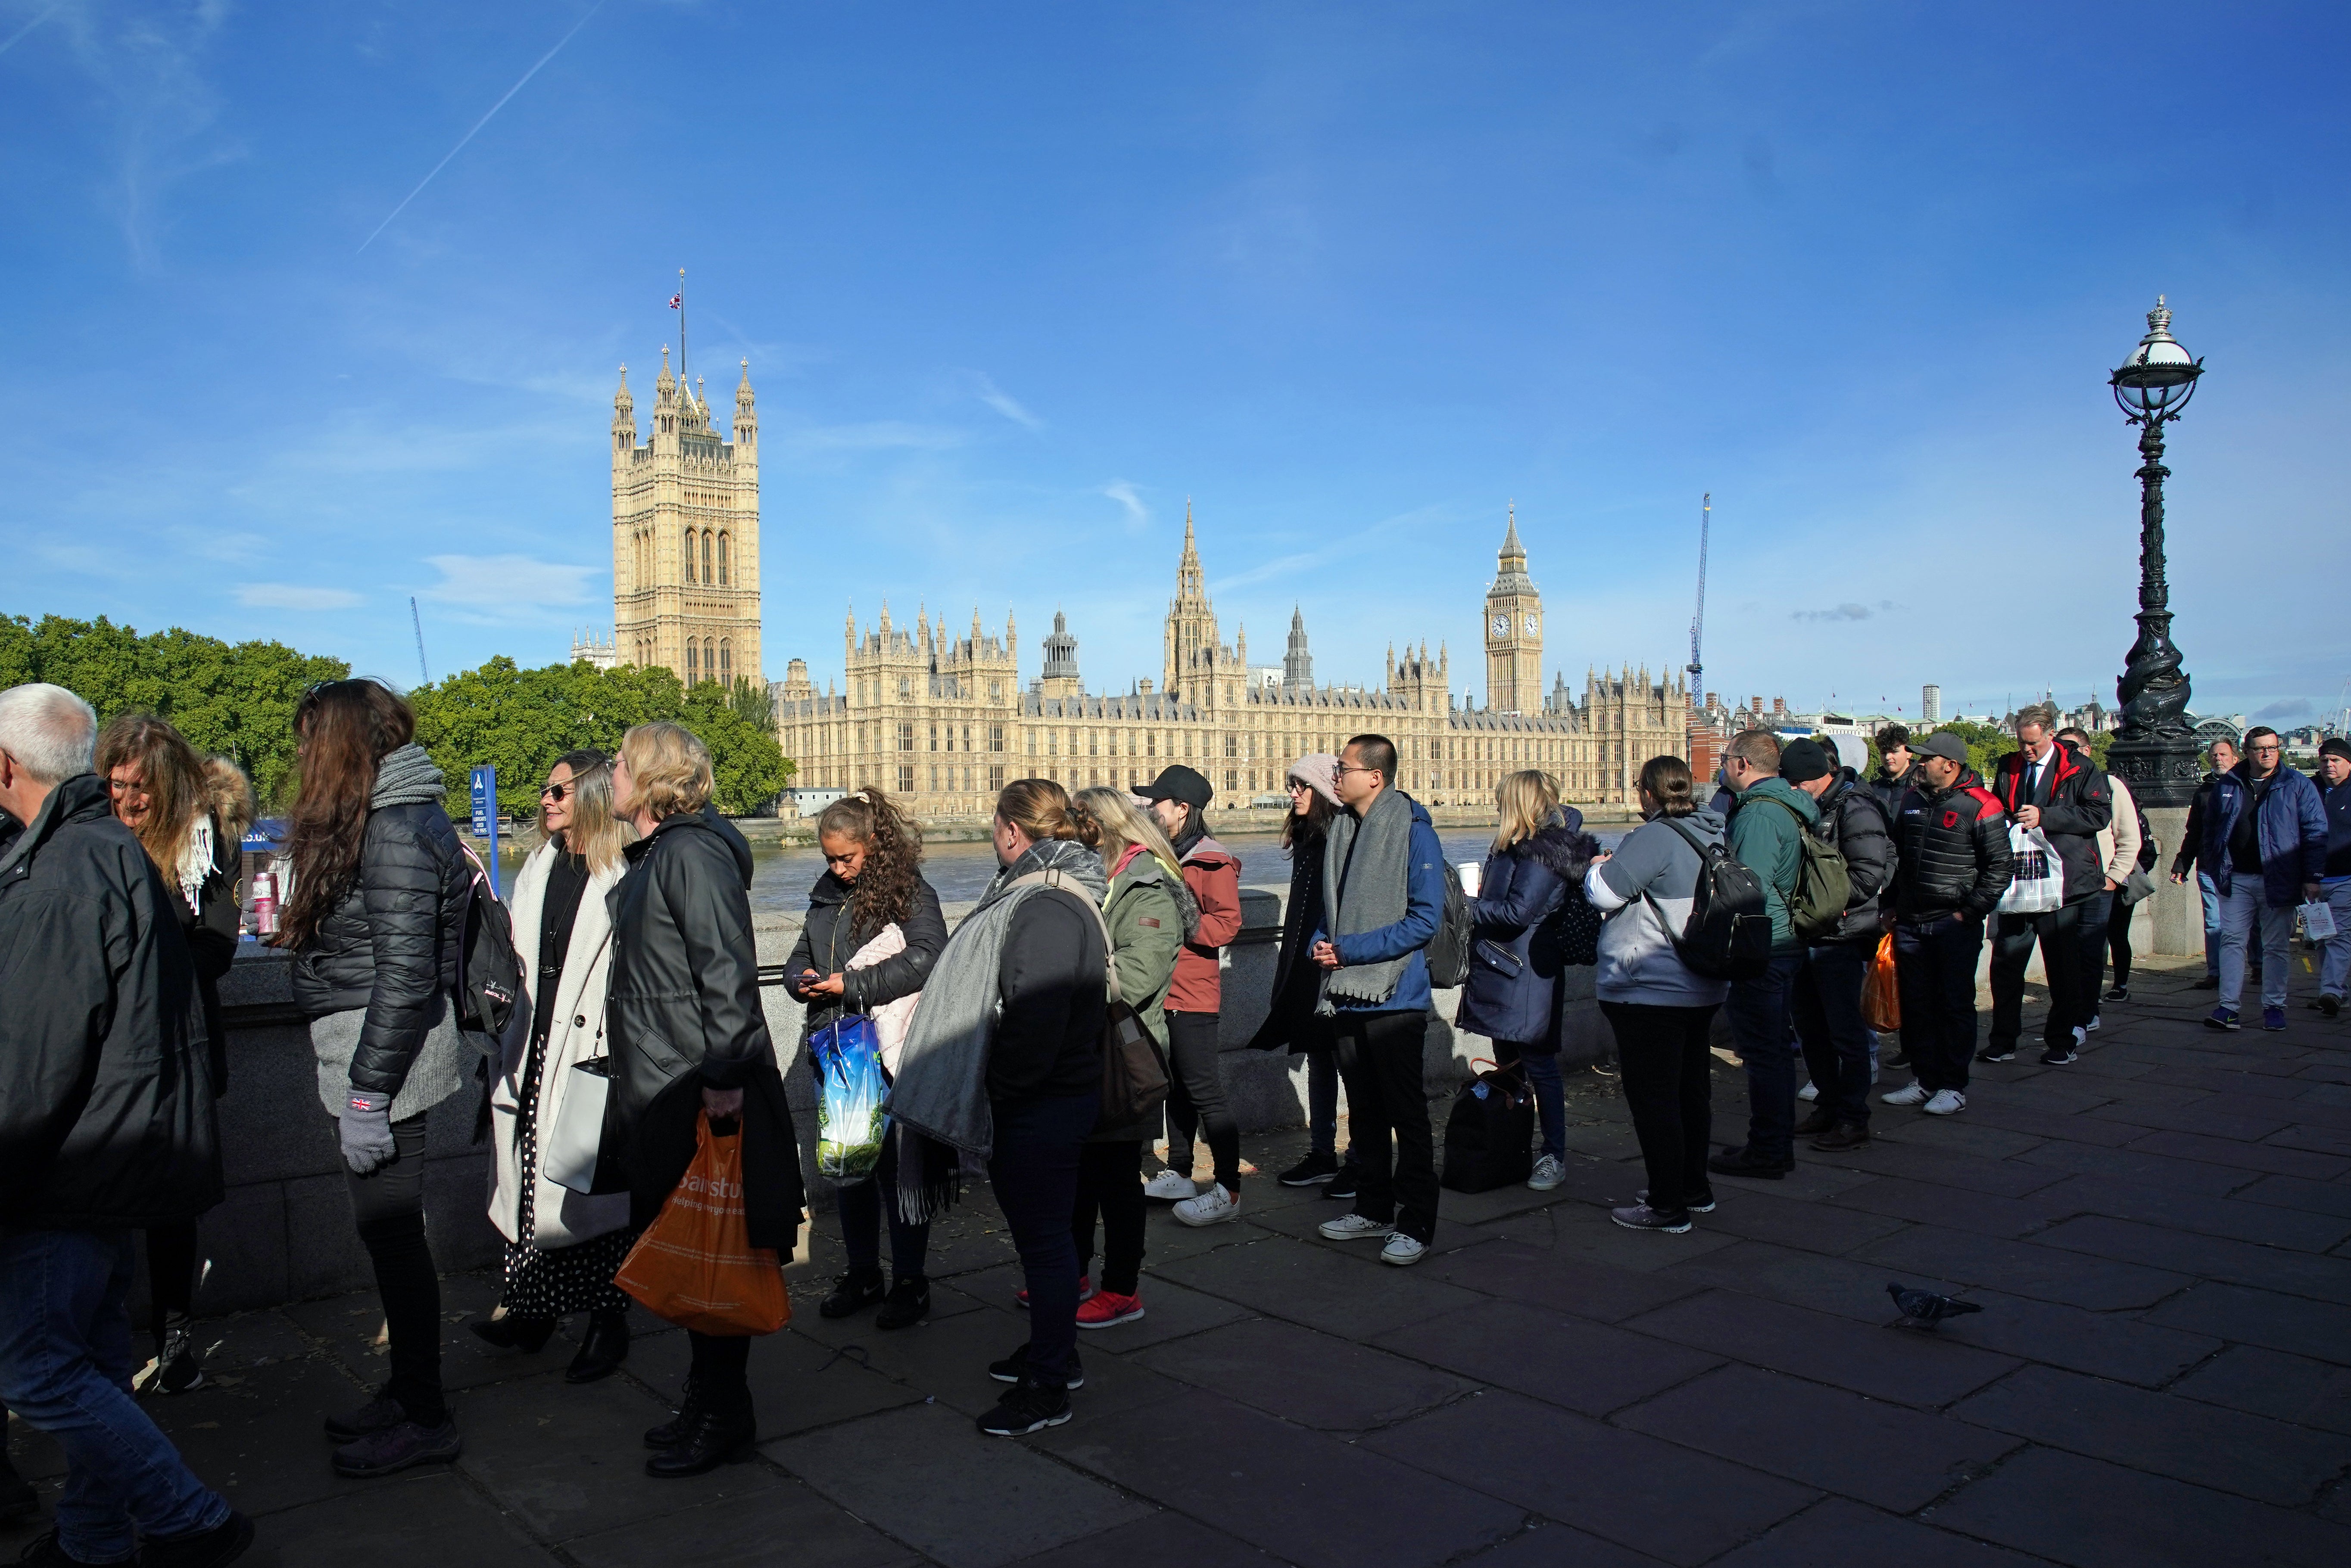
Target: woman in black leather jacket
x=872 y=886
x=688 y=1035
x=375 y=919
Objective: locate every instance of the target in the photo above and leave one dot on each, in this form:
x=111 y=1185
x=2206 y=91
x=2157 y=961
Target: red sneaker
x=1104 y=1310
x=1085 y=1291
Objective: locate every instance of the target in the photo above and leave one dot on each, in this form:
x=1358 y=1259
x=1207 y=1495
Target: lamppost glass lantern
x=2157 y=380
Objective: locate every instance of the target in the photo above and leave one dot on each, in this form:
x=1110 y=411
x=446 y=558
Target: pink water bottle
x=265 y=903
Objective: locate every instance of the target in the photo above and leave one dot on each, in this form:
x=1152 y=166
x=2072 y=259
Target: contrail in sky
x=18 y=35
x=469 y=135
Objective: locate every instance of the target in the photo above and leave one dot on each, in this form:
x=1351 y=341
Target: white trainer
x=1943 y=1102
x=1549 y=1173
x=1211 y=1207
x=1401 y=1251
x=1907 y=1094
x=1169 y=1187
x=1810 y=1091
x=1355 y=1228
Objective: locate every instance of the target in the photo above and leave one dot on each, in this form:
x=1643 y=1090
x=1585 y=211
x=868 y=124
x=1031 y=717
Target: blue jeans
x=1550 y=1092
x=1758 y=1013
x=1035 y=1173
x=2246 y=918
x=65 y=1368
x=2335 y=952
x=2212 y=896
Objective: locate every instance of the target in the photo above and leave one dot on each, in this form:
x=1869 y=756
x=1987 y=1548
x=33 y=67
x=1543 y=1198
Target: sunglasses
x=559 y=794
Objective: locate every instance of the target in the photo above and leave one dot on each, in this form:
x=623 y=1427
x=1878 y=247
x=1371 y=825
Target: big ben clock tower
x=1513 y=631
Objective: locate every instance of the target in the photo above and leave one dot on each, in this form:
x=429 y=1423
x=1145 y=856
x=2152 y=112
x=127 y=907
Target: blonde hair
x=1527 y=799
x=1121 y=825
x=669 y=770
x=1042 y=809
x=598 y=834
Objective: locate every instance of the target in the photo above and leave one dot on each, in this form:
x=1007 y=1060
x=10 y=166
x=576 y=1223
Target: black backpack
x=1728 y=936
x=489 y=971
x=1489 y=1134
x=1448 y=950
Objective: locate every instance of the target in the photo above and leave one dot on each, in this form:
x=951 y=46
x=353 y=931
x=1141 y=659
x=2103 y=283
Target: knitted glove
x=365 y=1128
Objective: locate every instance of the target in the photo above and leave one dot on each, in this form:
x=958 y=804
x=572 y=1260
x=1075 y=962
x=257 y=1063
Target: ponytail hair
x=893 y=851
x=1042 y=809
x=1667 y=781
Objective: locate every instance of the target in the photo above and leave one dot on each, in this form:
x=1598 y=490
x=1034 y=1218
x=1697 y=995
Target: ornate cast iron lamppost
x=2155 y=752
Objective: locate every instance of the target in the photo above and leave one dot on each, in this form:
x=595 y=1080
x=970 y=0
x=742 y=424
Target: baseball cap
x=1944 y=744
x=1181 y=784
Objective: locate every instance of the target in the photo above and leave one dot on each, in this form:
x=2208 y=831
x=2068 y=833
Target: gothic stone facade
x=943 y=722
x=686 y=534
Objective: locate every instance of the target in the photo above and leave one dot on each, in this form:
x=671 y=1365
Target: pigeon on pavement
x=1926 y=1307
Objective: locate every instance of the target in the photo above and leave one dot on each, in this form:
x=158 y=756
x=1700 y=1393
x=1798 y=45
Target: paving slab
x=797 y=1383
x=1547 y=1543
x=1926 y=1370
x=1170 y=1311
x=1316 y=1380
x=1352 y=1294
x=1586 y=1235
x=1549 y=1355
x=348 y=1325
x=2331 y=1140
x=2001 y=1178
x=2105 y=1344
x=1960 y=1134
x=433 y=1517
x=782 y=1518
x=256 y=1436
x=1956 y=1209
x=2091 y=1514
x=2137 y=1164
x=2291 y=1388
x=1836 y=1531
x=1840 y=1285
x=2228 y=1152
x=2225 y=1450
x=1626 y=1487
x=2206 y=1256
x=925 y=1476
x=1303 y=1496
x=1869 y=1449
x=2026 y=1267
x=2206 y=1117
x=2243 y=1218
x=2295 y=1323
x=1814 y=1227
x=1163 y=1539
x=1543 y=1276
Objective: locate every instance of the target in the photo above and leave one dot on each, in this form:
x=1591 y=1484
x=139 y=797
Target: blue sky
x=1014 y=281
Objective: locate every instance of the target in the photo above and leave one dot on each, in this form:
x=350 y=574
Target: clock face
x=1533 y=625
x=1502 y=626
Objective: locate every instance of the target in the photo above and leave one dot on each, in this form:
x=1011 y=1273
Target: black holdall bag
x=489 y=971
x=1489 y=1134
x=1448 y=950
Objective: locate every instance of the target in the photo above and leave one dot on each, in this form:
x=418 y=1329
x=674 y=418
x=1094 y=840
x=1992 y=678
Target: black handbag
x=1489 y=1136
x=1575 y=928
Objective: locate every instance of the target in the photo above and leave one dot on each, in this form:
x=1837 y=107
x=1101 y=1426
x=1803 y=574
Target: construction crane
x=1698 y=621
x=418 y=622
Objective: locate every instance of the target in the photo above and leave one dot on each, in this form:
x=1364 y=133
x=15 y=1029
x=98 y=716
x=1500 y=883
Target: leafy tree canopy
x=234 y=701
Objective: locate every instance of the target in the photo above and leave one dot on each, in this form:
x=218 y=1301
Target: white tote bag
x=577 y=1134
x=2036 y=876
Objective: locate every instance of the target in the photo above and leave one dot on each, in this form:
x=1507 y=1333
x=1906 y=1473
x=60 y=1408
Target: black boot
x=601 y=1349
x=853 y=1292
x=909 y=1303
x=528 y=1334
x=713 y=1440
x=672 y=1432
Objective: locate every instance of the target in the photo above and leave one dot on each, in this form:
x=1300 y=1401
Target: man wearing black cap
x=1827 y=992
x=2334 y=881
x=1951 y=867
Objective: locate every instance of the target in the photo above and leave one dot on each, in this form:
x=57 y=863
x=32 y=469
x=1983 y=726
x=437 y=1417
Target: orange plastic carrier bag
x=694 y=1265
x=1881 y=996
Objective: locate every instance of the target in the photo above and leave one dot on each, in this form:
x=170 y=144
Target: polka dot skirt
x=558 y=1280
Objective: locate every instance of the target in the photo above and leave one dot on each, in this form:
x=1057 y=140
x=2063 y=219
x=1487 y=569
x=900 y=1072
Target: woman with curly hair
x=873 y=929
x=189 y=813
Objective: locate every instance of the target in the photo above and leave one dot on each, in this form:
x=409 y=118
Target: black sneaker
x=1015 y=1366
x=43 y=1551
x=396 y=1448
x=177 y=1370
x=852 y=1292
x=1702 y=1204
x=2209 y=983
x=2060 y=1056
x=1030 y=1405
x=1312 y=1171
x=223 y=1543
x=1997 y=1053
x=379 y=1414
x=1737 y=1161
x=2330 y=1005
x=2119 y=994
x=909 y=1303
x=1641 y=1217
x=1342 y=1187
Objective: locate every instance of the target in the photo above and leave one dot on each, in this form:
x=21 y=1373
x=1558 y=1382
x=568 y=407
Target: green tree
x=1987 y=744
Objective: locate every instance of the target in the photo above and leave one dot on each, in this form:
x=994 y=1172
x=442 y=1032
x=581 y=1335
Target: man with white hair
x=106 y=1127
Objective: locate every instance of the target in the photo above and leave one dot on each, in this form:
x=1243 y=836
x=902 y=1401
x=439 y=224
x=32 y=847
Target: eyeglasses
x=126 y=786
x=2259 y=748
x=559 y=794
x=1296 y=787
x=1352 y=768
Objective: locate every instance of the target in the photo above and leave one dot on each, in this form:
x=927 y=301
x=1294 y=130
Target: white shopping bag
x=2317 y=922
x=2036 y=876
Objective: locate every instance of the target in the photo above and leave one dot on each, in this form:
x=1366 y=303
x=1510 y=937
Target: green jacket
x=1147 y=932
x=1763 y=840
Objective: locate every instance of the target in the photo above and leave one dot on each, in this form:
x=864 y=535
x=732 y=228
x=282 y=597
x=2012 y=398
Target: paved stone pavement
x=2160 y=1236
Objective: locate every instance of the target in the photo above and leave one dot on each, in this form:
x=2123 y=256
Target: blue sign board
x=485 y=817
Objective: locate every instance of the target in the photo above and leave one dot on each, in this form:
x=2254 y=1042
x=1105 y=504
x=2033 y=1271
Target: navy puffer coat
x=1512 y=991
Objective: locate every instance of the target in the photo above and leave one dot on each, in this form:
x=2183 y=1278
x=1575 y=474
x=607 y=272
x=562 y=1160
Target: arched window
x=722 y=564
x=692 y=660
x=689 y=555
x=710 y=657
x=726 y=655
x=706 y=547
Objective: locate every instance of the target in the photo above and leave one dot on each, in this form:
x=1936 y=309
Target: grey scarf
x=941 y=1090
x=1366 y=865
x=406 y=777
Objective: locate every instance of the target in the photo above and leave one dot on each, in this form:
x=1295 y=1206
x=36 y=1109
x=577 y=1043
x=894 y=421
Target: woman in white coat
x=563 y=1247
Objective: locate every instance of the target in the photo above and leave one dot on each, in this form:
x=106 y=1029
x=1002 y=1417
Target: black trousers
x=2059 y=934
x=718 y=1367
x=389 y=1208
x=1829 y=1023
x=1935 y=969
x=1110 y=1182
x=1034 y=1171
x=1196 y=1099
x=1668 y=1078
x=2119 y=948
x=172 y=1263
x=1387 y=1119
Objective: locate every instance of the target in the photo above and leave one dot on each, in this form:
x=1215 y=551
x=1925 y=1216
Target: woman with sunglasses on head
x=1290 y=1021
x=377 y=918
x=563 y=1247
x=190 y=814
x=872 y=931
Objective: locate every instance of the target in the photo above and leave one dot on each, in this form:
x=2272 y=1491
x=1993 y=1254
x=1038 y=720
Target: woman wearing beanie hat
x=1290 y=1022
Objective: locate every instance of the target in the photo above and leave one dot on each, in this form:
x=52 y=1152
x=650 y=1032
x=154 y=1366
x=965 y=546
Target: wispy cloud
x=1350 y=543
x=507 y=582
x=2289 y=709
x=1003 y=402
x=18 y=36
x=294 y=597
x=485 y=119
x=1138 y=516
x=1843 y=612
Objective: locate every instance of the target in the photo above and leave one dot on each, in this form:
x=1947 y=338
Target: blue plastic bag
x=850 y=1120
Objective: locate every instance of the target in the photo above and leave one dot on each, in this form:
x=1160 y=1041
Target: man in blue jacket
x=2335 y=882
x=2265 y=842
x=1382 y=897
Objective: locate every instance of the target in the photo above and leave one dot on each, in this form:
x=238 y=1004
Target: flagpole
x=681 y=326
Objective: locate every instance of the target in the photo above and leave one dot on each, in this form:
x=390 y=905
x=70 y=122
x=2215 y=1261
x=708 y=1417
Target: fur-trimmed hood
x=229 y=794
x=1562 y=846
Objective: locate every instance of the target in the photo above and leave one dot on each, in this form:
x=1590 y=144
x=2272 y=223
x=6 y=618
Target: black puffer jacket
x=1950 y=851
x=390 y=944
x=106 y=1104
x=1851 y=812
x=1890 y=788
x=829 y=939
x=1297 y=983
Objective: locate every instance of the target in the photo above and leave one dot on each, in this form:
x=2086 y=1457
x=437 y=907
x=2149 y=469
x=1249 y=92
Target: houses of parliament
x=943 y=719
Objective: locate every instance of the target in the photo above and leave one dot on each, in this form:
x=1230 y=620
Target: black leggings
x=389 y=1208
x=1196 y=1100
x=2119 y=948
x=1110 y=1180
x=171 y=1275
x=718 y=1367
x=1668 y=1080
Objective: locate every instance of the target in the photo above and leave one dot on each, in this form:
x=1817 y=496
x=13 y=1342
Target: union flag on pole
x=677 y=302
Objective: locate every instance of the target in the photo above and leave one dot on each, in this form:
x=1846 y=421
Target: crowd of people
x=630 y=922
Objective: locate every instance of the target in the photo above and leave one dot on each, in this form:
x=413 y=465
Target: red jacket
x=1212 y=873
